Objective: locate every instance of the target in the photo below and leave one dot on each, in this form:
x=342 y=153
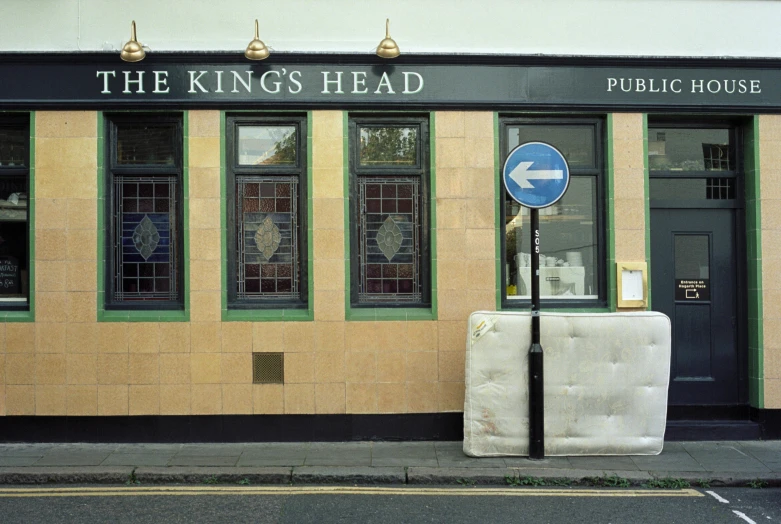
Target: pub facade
x=197 y=245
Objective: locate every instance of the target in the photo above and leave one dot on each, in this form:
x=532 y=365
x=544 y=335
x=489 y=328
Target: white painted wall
x=734 y=28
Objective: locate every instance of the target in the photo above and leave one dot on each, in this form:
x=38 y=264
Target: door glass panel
x=685 y=149
x=692 y=257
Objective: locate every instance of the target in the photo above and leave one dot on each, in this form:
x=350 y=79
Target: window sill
x=10 y=315
x=380 y=313
x=143 y=316
x=267 y=315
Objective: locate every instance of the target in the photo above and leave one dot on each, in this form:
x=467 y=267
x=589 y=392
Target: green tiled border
x=498 y=193
x=142 y=316
x=265 y=315
x=756 y=385
x=610 y=234
x=379 y=313
x=647 y=202
x=29 y=315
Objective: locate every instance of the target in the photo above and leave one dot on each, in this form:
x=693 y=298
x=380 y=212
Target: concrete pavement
x=699 y=463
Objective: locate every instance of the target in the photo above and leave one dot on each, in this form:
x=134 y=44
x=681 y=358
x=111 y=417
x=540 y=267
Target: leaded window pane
x=144 y=224
x=390 y=240
x=266 y=145
x=146 y=144
x=388 y=146
x=267 y=230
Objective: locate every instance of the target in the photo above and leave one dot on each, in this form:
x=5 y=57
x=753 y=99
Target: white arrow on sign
x=521 y=174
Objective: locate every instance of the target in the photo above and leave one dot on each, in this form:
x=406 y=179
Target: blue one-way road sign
x=536 y=174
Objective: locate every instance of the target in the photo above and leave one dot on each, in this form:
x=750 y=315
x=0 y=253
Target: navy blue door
x=694 y=282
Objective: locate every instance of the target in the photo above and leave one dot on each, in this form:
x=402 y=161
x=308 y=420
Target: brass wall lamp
x=132 y=51
x=388 y=48
x=256 y=50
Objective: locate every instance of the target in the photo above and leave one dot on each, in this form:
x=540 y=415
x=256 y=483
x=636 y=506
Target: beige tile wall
x=466 y=238
x=67 y=363
x=629 y=188
x=770 y=195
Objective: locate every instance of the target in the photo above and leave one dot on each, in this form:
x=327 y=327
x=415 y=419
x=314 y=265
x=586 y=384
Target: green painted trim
x=29 y=315
x=101 y=258
x=380 y=313
x=348 y=311
x=432 y=133
x=498 y=226
x=647 y=203
x=182 y=315
x=754 y=265
x=223 y=222
x=610 y=234
x=310 y=243
x=263 y=315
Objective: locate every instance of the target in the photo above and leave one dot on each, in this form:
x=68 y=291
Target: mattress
x=605 y=383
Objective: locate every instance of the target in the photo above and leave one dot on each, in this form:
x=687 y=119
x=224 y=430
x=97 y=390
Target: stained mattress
x=605 y=374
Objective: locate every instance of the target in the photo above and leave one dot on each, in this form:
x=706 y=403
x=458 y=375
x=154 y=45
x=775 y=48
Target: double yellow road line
x=171 y=491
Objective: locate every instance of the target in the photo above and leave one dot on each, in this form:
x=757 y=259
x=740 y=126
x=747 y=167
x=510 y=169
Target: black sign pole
x=536 y=406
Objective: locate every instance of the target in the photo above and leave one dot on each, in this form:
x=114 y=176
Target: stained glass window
x=267 y=222
x=145 y=232
x=14 y=217
x=389 y=214
x=389 y=234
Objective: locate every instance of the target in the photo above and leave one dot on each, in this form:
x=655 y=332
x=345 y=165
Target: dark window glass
x=267 y=221
x=14 y=217
x=572 y=259
x=389 y=214
x=682 y=149
x=145 y=143
x=145 y=233
x=692 y=188
x=692 y=257
x=13 y=146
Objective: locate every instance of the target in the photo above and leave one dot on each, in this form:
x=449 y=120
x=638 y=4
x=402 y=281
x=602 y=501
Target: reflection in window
x=388 y=145
x=576 y=142
x=267 y=145
x=14 y=225
x=690 y=149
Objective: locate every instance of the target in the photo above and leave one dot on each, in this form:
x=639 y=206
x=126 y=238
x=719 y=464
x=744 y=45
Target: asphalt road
x=301 y=504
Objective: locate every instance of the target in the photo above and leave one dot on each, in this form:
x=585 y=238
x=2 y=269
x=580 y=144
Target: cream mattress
x=605 y=374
